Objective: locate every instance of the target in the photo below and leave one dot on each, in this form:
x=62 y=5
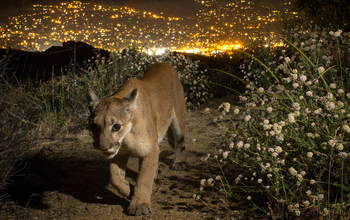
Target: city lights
x=216 y=28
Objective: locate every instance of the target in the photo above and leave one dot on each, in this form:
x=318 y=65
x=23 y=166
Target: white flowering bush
x=291 y=143
x=105 y=76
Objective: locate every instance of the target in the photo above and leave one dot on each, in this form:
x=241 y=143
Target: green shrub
x=105 y=76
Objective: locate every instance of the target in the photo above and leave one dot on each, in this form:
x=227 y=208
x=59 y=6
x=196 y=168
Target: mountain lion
x=132 y=122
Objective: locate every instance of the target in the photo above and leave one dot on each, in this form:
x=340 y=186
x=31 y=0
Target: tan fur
x=146 y=109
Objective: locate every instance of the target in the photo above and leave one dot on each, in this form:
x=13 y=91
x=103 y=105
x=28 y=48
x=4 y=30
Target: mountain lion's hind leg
x=176 y=140
x=117 y=167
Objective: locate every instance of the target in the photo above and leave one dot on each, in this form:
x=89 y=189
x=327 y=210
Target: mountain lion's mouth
x=110 y=153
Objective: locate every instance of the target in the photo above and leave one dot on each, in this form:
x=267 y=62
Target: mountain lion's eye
x=116 y=127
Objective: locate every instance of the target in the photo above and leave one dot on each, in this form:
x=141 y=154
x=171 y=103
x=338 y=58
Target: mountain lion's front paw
x=179 y=166
x=142 y=209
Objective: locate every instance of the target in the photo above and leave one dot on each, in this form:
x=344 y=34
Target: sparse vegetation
x=17 y=128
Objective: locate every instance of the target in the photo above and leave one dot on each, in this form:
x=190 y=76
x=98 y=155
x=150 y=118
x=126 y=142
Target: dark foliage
x=326 y=12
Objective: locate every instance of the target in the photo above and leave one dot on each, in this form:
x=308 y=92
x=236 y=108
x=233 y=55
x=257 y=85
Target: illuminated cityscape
x=218 y=25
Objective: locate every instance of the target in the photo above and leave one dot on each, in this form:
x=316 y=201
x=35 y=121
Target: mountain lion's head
x=110 y=121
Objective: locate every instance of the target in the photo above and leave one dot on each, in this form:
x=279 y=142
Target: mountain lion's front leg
x=117 y=167
x=141 y=201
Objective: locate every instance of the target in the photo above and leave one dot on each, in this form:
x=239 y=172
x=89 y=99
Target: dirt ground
x=68 y=179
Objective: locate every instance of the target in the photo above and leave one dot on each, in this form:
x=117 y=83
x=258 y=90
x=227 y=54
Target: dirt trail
x=69 y=180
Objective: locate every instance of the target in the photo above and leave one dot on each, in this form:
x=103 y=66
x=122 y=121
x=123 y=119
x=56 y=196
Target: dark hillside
x=41 y=65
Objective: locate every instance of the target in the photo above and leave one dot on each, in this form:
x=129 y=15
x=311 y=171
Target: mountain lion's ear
x=130 y=100
x=93 y=100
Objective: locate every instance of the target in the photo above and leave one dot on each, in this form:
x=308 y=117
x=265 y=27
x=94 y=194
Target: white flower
x=303 y=78
x=318 y=111
x=320 y=196
x=307 y=203
x=247 y=118
x=330 y=105
x=325 y=210
x=329 y=96
x=274 y=154
x=295 y=85
x=299 y=177
x=332 y=86
x=237 y=180
x=312 y=182
x=343 y=154
x=269 y=175
x=340 y=91
x=309 y=154
x=239 y=144
x=236 y=111
x=225 y=106
x=337 y=33
x=243 y=98
x=296 y=106
x=261 y=89
x=210 y=181
x=292 y=171
x=249 y=198
x=309 y=93
x=246 y=146
x=340 y=104
x=218 y=177
x=291 y=118
x=291 y=208
x=308 y=192
x=259 y=180
x=203 y=182
x=287 y=59
x=311 y=135
x=320 y=69
x=225 y=154
x=332 y=142
x=231 y=145
x=340 y=147
x=269 y=109
x=207 y=109
x=346 y=128
x=278 y=149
